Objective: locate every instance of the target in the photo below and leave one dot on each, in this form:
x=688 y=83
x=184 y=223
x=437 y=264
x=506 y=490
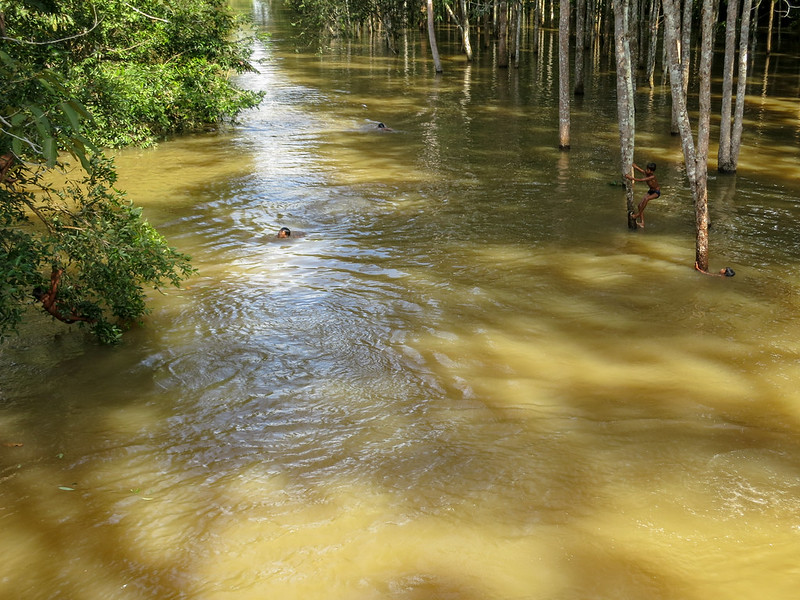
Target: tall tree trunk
x=502 y=33
x=517 y=32
x=465 y=30
x=695 y=158
x=487 y=29
x=634 y=35
x=563 y=75
x=655 y=17
x=580 y=28
x=685 y=55
x=437 y=63
x=724 y=151
x=462 y=23
x=741 y=83
x=769 y=26
x=625 y=100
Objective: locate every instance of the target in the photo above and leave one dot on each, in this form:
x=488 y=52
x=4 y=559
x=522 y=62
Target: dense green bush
x=76 y=76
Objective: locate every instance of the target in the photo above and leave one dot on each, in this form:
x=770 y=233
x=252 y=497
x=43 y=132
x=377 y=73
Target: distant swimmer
x=382 y=127
x=726 y=272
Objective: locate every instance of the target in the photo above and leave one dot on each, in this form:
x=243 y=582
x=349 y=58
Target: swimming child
x=654 y=190
x=725 y=272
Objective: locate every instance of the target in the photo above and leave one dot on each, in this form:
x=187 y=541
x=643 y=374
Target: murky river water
x=468 y=380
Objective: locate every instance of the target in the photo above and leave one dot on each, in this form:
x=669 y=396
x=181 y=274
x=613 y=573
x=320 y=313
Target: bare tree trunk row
x=730 y=130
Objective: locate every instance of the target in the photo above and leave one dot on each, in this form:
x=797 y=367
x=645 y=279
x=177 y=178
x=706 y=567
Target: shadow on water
x=430 y=500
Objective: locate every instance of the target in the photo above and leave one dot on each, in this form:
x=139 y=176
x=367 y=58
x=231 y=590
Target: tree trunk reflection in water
x=468 y=380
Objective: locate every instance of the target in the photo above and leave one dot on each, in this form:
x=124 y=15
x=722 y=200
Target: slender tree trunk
x=741 y=83
x=517 y=32
x=580 y=27
x=465 y=29
x=724 y=151
x=437 y=63
x=563 y=75
x=769 y=26
x=502 y=33
x=625 y=100
x=685 y=55
x=462 y=23
x=655 y=14
x=608 y=26
x=695 y=158
x=634 y=35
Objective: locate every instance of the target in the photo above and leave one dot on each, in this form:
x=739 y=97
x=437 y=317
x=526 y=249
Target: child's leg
x=641 y=207
x=638 y=216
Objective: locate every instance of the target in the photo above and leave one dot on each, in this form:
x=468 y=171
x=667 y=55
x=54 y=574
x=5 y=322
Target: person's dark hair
x=728 y=272
x=381 y=126
x=651 y=166
x=286 y=231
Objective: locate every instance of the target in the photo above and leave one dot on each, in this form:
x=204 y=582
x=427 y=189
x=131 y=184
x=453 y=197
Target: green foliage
x=107 y=251
x=145 y=72
x=140 y=103
x=76 y=76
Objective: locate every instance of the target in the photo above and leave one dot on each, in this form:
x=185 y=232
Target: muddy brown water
x=467 y=380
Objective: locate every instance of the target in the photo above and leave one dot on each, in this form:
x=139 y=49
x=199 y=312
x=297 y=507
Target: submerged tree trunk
x=769 y=26
x=580 y=27
x=502 y=34
x=724 y=151
x=465 y=30
x=684 y=55
x=517 y=33
x=741 y=83
x=655 y=14
x=695 y=157
x=730 y=130
x=563 y=76
x=462 y=23
x=437 y=63
x=625 y=101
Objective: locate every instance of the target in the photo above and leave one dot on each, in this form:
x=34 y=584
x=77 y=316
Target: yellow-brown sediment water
x=466 y=380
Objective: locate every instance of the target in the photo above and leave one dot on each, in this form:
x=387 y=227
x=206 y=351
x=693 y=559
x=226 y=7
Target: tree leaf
x=50 y=151
x=71 y=115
